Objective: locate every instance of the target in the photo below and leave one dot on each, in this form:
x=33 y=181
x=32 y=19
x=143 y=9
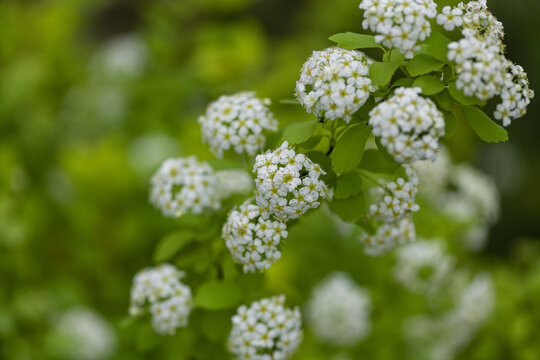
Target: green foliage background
x=75 y=223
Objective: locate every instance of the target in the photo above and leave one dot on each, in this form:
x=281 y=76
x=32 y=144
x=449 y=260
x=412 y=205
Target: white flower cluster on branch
x=338 y=311
x=287 y=183
x=252 y=238
x=334 y=83
x=408 y=125
x=265 y=330
x=160 y=291
x=237 y=122
x=423 y=266
x=388 y=236
x=398 y=198
x=399 y=24
x=183 y=185
x=515 y=95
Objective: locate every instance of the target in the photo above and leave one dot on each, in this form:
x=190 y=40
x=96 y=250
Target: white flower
x=388 y=236
x=480 y=66
x=287 y=183
x=89 y=335
x=397 y=198
x=338 y=311
x=237 y=122
x=423 y=266
x=160 y=291
x=515 y=95
x=479 y=21
x=399 y=24
x=450 y=18
x=442 y=337
x=265 y=330
x=334 y=83
x=408 y=125
x=184 y=185
x=252 y=238
x=232 y=181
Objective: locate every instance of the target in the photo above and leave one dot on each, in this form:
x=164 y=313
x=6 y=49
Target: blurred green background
x=94 y=94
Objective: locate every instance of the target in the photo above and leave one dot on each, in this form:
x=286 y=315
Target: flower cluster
x=423 y=266
x=168 y=298
x=287 y=183
x=265 y=330
x=399 y=24
x=88 y=335
x=238 y=122
x=334 y=83
x=398 y=198
x=441 y=337
x=516 y=95
x=184 y=185
x=408 y=125
x=388 y=236
x=232 y=181
x=338 y=311
x=252 y=238
x=480 y=67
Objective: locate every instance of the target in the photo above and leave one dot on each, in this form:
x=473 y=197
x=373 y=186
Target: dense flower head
x=480 y=66
x=184 y=185
x=237 y=122
x=442 y=337
x=252 y=237
x=334 y=83
x=287 y=183
x=265 y=330
x=233 y=181
x=397 y=198
x=338 y=311
x=388 y=236
x=408 y=125
x=168 y=299
x=515 y=95
x=423 y=266
x=399 y=24
x=89 y=335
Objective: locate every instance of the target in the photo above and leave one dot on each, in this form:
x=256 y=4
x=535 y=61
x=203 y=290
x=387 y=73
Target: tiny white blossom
x=388 y=236
x=338 y=311
x=287 y=183
x=408 y=125
x=334 y=83
x=400 y=24
x=158 y=290
x=237 y=122
x=265 y=330
x=184 y=185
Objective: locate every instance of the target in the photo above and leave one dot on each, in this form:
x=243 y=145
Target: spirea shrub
x=370 y=155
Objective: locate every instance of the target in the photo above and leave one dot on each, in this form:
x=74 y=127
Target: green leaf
x=374 y=161
x=487 y=129
x=396 y=56
x=381 y=73
x=351 y=41
x=348 y=185
x=312 y=142
x=349 y=149
x=446 y=101
x=171 y=244
x=429 y=84
x=460 y=97
x=351 y=209
x=423 y=64
x=289 y=102
x=383 y=151
x=403 y=82
x=437 y=45
x=450 y=123
x=217 y=295
x=299 y=132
